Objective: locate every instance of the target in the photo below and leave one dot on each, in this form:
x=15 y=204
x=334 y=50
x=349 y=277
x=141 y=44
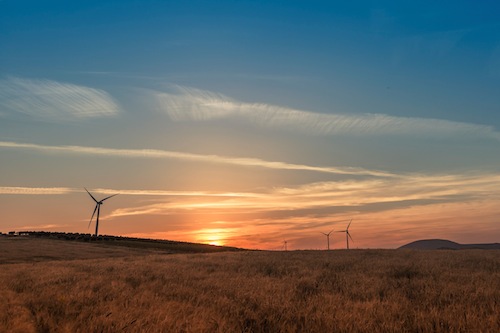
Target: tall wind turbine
x=347 y=234
x=98 y=209
x=327 y=238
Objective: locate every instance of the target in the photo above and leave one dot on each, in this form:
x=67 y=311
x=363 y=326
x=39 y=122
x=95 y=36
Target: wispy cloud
x=16 y=190
x=403 y=192
x=164 y=154
x=174 y=193
x=34 y=190
x=43 y=226
x=406 y=190
x=188 y=104
x=54 y=101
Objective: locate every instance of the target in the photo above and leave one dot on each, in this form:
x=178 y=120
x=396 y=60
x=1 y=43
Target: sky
x=252 y=123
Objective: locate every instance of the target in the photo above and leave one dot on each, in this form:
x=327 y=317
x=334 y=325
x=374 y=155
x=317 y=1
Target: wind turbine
x=98 y=209
x=327 y=238
x=285 y=245
x=347 y=234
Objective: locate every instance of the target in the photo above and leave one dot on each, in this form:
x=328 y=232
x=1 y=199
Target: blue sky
x=249 y=121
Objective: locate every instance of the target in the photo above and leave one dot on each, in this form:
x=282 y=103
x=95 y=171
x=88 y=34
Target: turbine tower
x=98 y=209
x=347 y=234
x=327 y=238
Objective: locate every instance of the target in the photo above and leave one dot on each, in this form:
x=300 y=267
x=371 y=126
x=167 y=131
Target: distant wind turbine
x=285 y=245
x=347 y=234
x=327 y=238
x=98 y=209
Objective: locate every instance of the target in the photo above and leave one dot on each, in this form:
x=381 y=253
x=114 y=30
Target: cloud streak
x=16 y=190
x=190 y=104
x=165 y=154
x=42 y=226
x=54 y=101
x=347 y=193
x=403 y=192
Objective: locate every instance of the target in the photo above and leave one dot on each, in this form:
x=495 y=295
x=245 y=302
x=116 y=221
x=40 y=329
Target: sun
x=216 y=243
x=215 y=239
x=212 y=236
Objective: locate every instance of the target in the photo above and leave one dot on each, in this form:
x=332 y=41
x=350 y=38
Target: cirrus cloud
x=165 y=154
x=54 y=101
x=189 y=104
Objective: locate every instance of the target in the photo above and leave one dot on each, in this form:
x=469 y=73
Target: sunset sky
x=248 y=123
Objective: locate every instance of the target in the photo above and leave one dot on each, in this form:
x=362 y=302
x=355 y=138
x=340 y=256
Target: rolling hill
x=34 y=246
x=443 y=244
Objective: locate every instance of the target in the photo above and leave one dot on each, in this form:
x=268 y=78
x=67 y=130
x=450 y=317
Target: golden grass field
x=59 y=286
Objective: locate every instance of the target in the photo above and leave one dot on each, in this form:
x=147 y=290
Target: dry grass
x=27 y=249
x=337 y=291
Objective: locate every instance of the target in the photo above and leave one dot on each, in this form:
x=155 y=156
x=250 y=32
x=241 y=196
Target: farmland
x=85 y=287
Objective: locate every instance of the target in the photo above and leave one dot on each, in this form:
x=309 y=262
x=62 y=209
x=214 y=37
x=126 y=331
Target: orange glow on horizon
x=216 y=236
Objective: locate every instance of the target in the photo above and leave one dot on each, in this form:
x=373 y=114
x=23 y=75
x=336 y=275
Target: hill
x=443 y=244
x=41 y=246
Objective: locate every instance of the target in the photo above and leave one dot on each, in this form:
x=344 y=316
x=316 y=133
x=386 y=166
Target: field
x=59 y=286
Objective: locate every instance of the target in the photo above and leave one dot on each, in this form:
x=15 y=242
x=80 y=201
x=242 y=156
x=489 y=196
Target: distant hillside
x=118 y=241
x=443 y=244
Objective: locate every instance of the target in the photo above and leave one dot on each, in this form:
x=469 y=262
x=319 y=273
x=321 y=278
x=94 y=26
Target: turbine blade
x=330 y=231
x=92 y=216
x=349 y=224
x=109 y=197
x=348 y=234
x=90 y=195
x=323 y=233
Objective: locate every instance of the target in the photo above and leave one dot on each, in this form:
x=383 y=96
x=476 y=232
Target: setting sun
x=212 y=236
